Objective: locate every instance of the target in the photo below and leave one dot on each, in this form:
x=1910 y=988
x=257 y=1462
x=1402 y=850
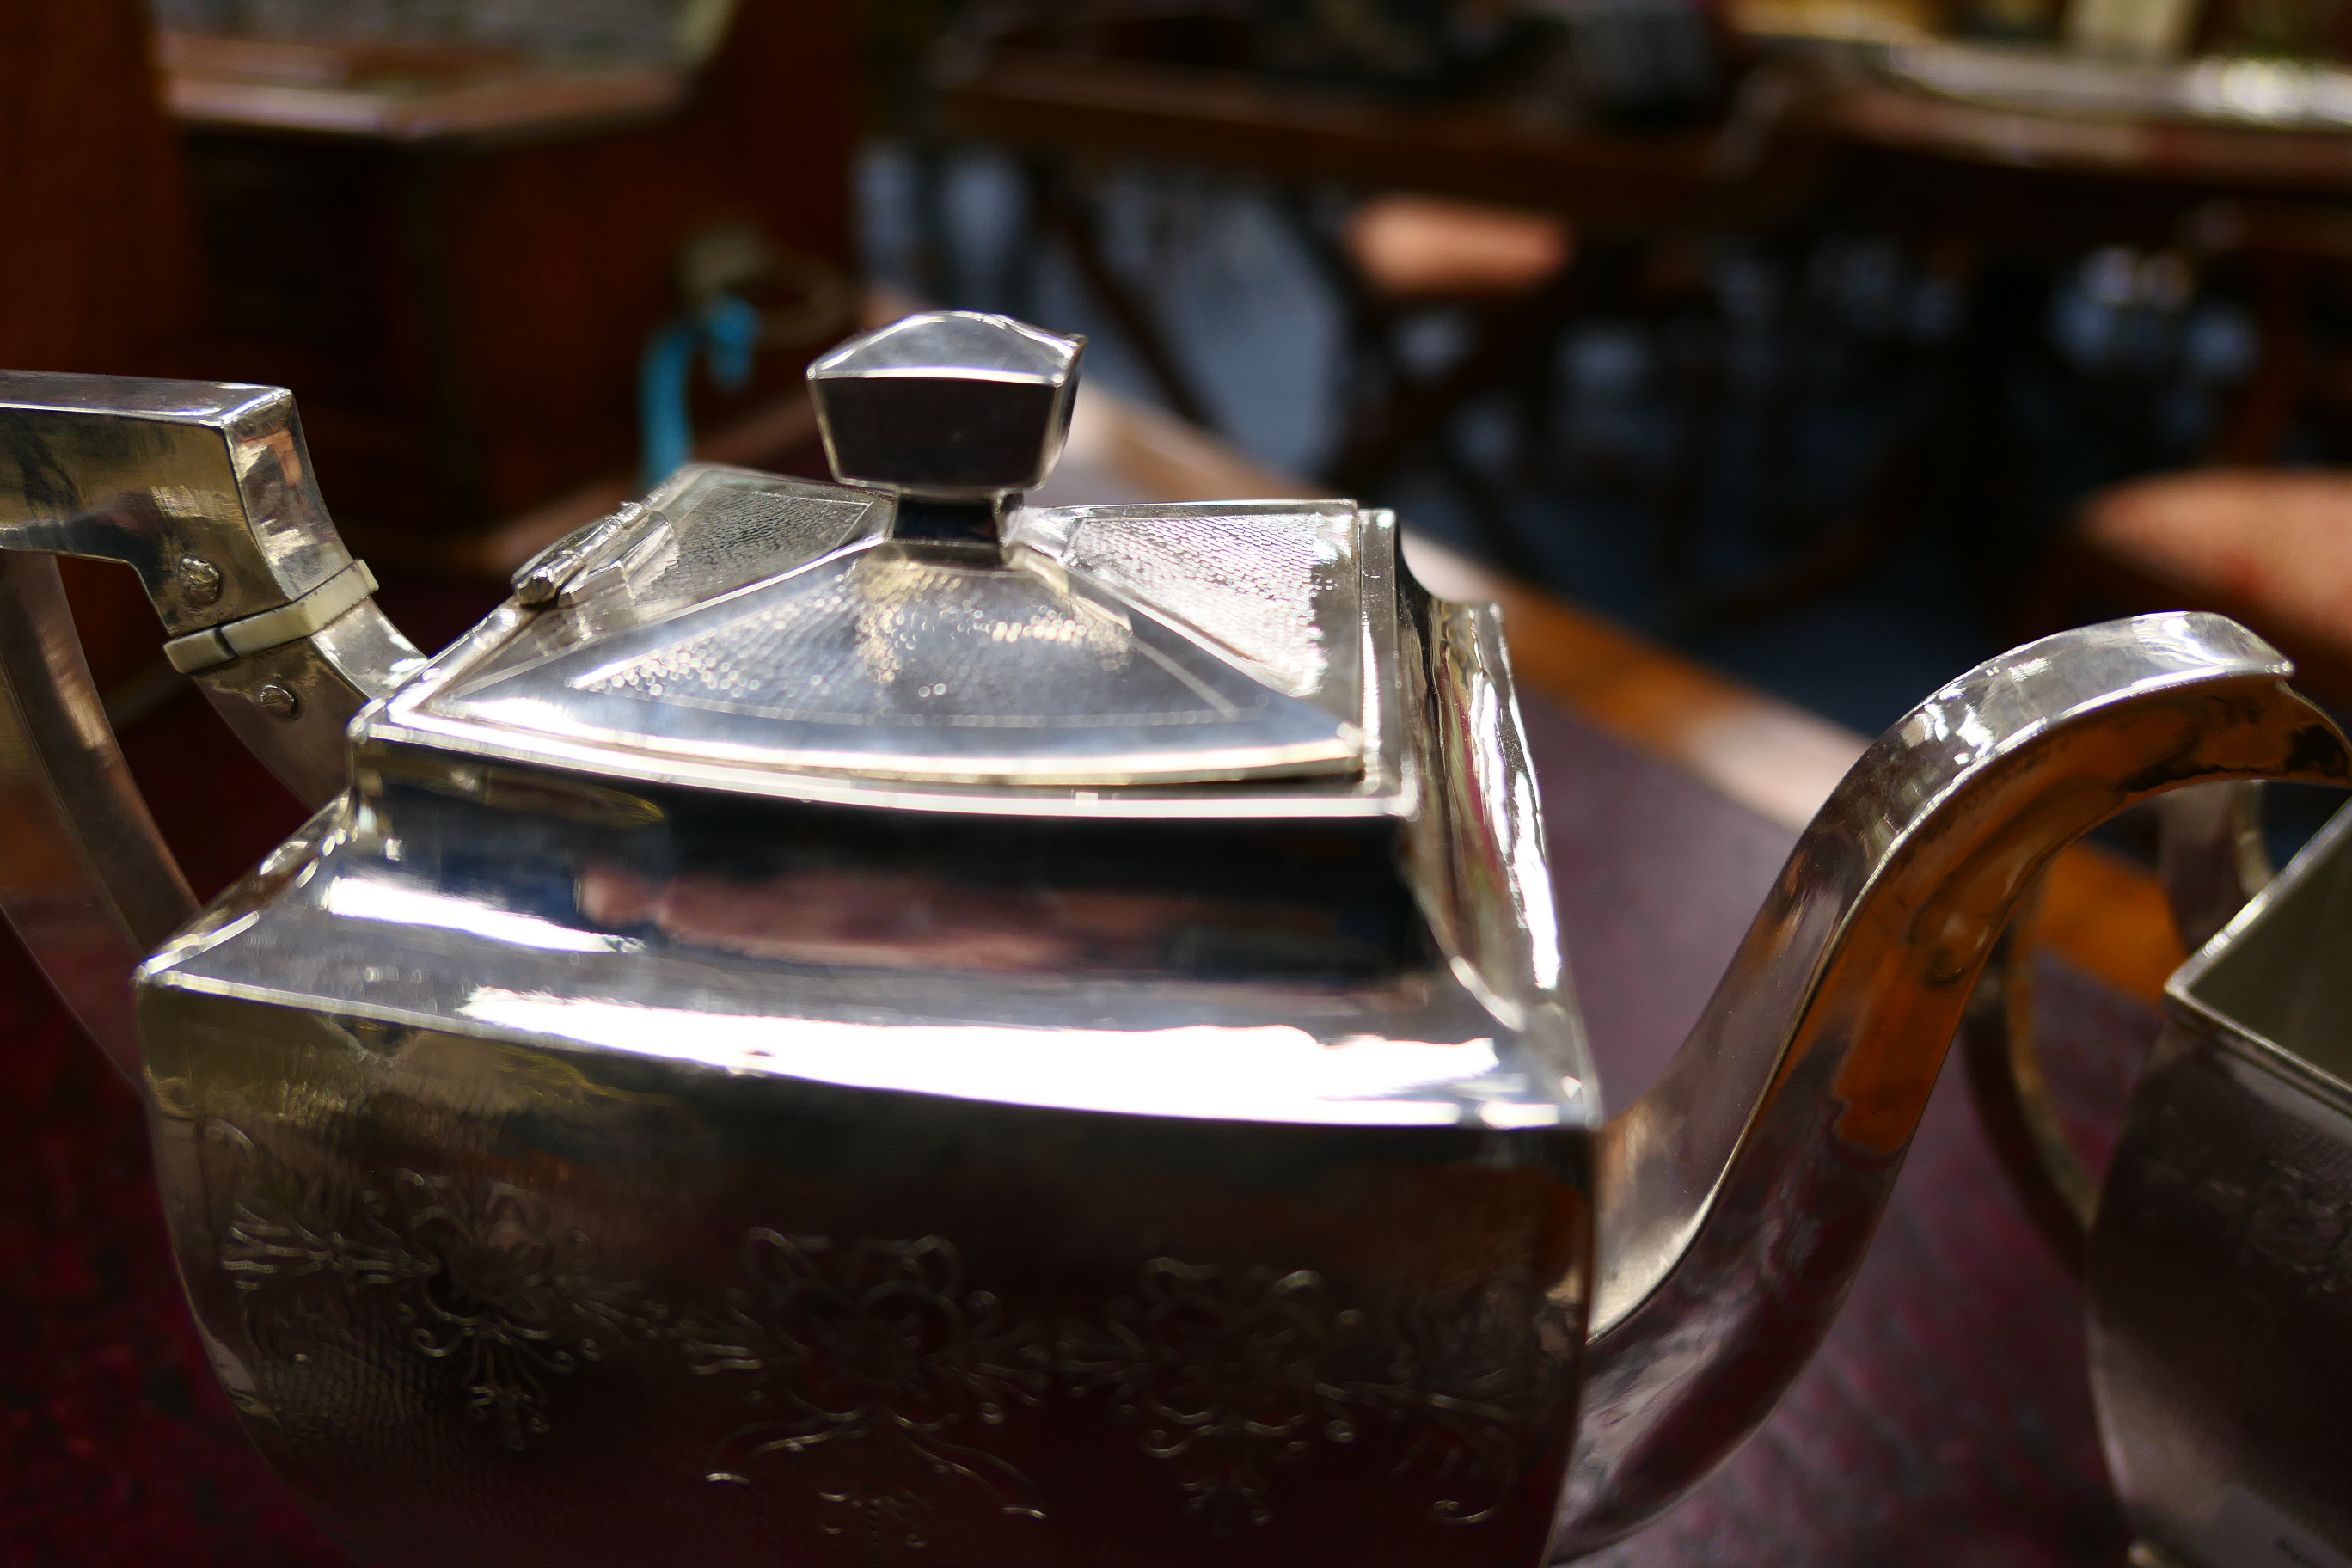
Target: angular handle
x=2014 y=1102
x=2212 y=859
x=204 y=490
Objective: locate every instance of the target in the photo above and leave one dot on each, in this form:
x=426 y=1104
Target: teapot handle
x=204 y=490
x=2212 y=861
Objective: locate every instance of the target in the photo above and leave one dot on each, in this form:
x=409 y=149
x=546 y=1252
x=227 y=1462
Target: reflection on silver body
x=837 y=1026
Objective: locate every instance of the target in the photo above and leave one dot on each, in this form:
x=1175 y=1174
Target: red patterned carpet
x=1946 y=1424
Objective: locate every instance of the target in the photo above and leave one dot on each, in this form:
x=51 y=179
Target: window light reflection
x=1273 y=1072
x=367 y=899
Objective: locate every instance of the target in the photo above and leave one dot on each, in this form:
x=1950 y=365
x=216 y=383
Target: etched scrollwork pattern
x=875 y=1380
x=2297 y=1225
x=1229 y=1372
x=878 y=1377
x=470 y=1272
x=2287 y=1225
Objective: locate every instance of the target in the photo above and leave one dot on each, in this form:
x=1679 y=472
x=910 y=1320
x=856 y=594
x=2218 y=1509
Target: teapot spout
x=1740 y=1193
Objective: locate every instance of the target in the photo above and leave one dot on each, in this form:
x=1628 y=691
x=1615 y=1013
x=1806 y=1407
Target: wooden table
x=1060 y=101
x=1100 y=98
x=2058 y=180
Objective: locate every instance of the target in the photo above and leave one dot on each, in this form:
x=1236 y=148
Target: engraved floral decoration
x=875 y=1384
x=877 y=1376
x=470 y=1270
x=1229 y=1372
x=2289 y=1227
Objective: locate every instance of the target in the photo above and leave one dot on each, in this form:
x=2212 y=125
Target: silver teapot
x=862 y=1022
x=2215 y=1250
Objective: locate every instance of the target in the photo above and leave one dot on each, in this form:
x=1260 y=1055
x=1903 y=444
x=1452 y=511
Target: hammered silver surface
x=737 y=535
x=1126 y=648
x=706 y=531
x=1265 y=579
x=887 y=664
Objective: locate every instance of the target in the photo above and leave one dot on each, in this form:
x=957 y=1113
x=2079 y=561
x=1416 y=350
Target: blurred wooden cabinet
x=97 y=266
x=456 y=259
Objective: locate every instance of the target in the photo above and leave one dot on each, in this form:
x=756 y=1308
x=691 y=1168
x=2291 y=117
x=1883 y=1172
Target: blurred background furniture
x=2270 y=546
x=457 y=252
x=1552 y=211
x=2001 y=181
x=1397 y=258
x=99 y=271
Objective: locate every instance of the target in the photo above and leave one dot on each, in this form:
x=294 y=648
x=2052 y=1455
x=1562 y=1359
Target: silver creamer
x=2216 y=1250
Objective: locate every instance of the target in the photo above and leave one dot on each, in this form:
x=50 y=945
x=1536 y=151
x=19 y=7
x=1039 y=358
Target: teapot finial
x=955 y=411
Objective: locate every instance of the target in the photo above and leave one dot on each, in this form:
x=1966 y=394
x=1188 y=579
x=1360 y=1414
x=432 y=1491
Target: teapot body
x=2219 y=1269
x=572 y=1166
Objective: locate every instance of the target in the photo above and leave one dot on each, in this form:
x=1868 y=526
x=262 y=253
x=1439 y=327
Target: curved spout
x=1738 y=1196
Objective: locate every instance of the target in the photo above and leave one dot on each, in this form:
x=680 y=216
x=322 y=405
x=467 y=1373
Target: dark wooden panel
x=97 y=259
x=462 y=320
x=96 y=271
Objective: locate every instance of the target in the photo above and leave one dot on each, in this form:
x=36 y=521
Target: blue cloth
x=726 y=329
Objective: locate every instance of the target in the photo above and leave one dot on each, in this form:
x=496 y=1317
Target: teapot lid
x=913 y=627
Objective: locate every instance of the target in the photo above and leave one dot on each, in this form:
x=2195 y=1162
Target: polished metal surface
x=866 y=1023
x=1738 y=1195
x=2011 y=1091
x=559 y=1162
x=204 y=490
x=948 y=404
x=878 y=663
x=766 y=635
x=2220 y=1272
x=2211 y=856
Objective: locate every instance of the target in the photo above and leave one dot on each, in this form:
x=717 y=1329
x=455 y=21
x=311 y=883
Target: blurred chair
x=2270 y=546
x=2291 y=256
x=1415 y=250
x=1400 y=257
x=1506 y=198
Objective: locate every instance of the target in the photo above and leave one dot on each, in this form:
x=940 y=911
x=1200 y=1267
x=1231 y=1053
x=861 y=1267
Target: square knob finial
x=954 y=406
